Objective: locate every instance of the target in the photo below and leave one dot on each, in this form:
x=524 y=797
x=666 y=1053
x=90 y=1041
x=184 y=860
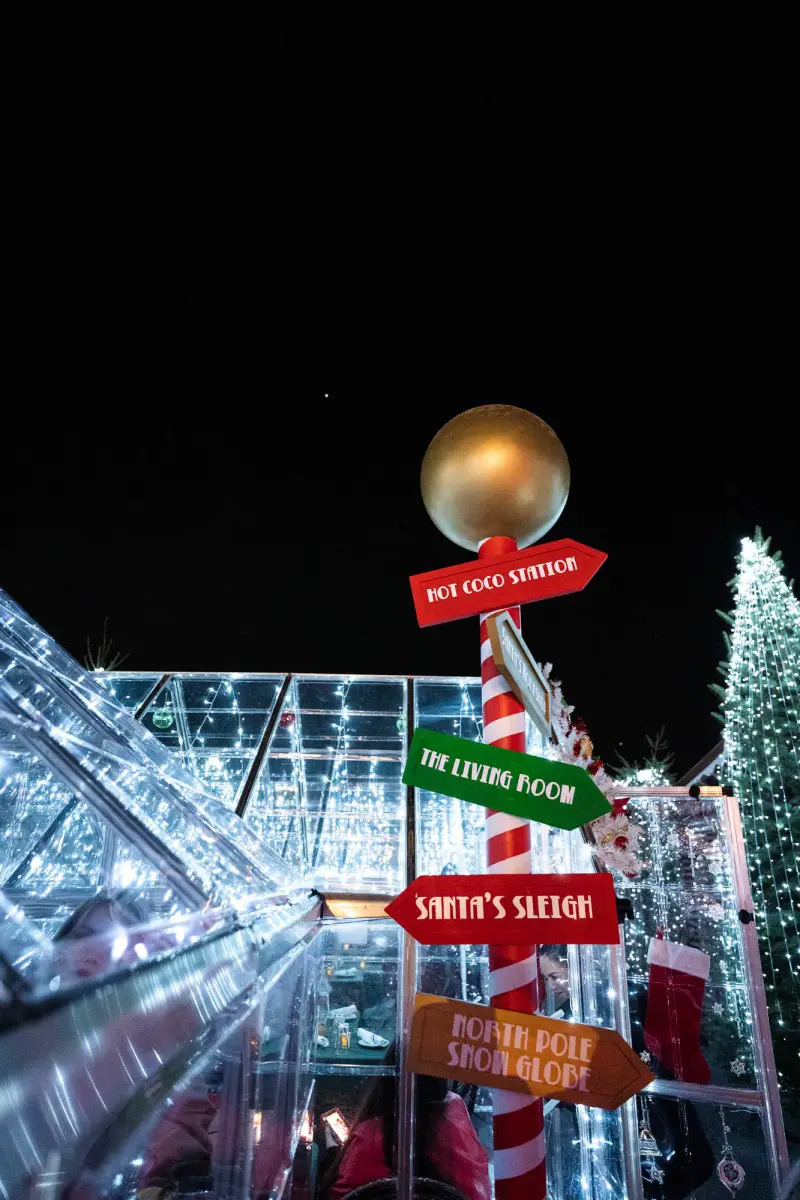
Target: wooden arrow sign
x=538 y=573
x=542 y=1056
x=520 y=670
x=538 y=789
x=578 y=910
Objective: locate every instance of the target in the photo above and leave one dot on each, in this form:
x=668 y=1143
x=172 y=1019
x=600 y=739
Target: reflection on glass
x=128 y=688
x=329 y=797
x=451 y=833
x=686 y=892
x=230 y=1129
x=684 y=1146
x=356 y=990
x=214 y=725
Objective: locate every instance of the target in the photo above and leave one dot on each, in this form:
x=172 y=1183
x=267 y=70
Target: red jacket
x=189 y=1133
x=455 y=1152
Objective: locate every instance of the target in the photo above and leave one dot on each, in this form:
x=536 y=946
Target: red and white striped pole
x=519 y=1150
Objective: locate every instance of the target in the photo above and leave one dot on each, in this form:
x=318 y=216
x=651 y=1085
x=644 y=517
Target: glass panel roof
x=90 y=801
x=214 y=724
x=45 y=659
x=76 y=854
x=329 y=796
x=30 y=797
x=319 y=783
x=129 y=688
x=63 y=854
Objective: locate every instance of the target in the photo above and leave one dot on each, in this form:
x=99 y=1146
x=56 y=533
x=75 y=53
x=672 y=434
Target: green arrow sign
x=554 y=793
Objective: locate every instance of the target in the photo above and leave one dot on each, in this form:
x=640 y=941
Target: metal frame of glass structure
x=695 y=883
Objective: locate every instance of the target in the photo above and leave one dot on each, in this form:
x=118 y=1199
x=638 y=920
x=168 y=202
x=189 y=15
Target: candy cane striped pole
x=519 y=1151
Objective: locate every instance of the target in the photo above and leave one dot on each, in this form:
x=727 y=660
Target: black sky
x=216 y=224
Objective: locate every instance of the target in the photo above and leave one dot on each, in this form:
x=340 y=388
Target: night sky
x=252 y=271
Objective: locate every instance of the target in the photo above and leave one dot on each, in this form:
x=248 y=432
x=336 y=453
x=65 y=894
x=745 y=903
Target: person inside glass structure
x=446 y=1147
x=678 y=1157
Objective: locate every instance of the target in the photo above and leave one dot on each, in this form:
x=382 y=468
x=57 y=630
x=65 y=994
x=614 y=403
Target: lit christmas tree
x=761 y=716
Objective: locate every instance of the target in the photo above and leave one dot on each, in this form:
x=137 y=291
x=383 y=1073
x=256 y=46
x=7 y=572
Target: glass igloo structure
x=217 y=1031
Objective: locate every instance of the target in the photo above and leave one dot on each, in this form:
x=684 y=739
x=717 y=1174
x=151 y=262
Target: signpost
x=520 y=670
x=506 y=909
x=541 y=1056
x=536 y=789
x=538 y=573
x=494 y=478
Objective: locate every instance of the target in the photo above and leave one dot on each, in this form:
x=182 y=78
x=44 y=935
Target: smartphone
x=337 y=1125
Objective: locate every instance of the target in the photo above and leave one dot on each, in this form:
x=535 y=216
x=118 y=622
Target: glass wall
x=214 y=724
x=218 y=1037
x=329 y=797
x=103 y=831
x=705 y=1036
x=129 y=688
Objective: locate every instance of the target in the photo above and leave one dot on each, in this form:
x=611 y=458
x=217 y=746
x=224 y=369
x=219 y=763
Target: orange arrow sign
x=496 y=1047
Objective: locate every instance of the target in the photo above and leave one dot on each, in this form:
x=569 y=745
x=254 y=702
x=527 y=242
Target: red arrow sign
x=577 y=910
x=484 y=585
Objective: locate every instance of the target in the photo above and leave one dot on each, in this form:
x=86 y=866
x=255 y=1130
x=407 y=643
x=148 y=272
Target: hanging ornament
x=401 y=724
x=163 y=718
x=648 y=1148
x=731 y=1173
x=617 y=843
x=617 y=831
x=287 y=720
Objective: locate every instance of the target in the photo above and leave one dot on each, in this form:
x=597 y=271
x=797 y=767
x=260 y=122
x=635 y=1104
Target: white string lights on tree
x=761 y=715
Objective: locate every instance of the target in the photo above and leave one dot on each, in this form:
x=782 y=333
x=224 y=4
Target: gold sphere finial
x=495 y=470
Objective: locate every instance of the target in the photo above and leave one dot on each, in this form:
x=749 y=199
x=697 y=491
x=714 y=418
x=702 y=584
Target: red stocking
x=678 y=977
